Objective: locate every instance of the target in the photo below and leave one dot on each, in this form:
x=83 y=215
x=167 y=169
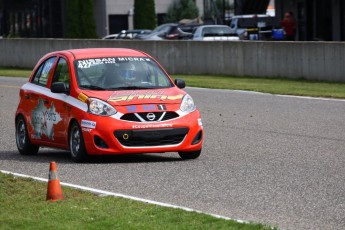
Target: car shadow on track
x=47 y=155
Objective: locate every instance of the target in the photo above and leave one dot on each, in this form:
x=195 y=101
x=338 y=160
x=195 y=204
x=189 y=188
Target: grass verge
x=23 y=206
x=268 y=85
x=11 y=72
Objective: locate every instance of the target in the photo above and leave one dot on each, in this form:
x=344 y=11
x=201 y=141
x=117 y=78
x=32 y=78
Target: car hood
x=172 y=95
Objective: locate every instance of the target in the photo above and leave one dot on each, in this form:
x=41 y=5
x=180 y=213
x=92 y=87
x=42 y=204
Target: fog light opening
x=197 y=138
x=99 y=142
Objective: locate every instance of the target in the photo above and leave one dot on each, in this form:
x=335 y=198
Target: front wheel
x=76 y=144
x=189 y=155
x=24 y=145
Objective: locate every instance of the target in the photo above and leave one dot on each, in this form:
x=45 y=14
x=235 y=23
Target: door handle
x=27 y=96
x=45 y=101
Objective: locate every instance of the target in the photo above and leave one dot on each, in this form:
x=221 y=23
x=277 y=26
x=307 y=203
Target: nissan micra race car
x=106 y=101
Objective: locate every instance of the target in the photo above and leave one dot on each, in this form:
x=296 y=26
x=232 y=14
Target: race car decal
x=43 y=120
x=150 y=126
x=82 y=97
x=151 y=107
x=131 y=108
x=88 y=124
x=115 y=98
x=87 y=63
x=69 y=100
x=161 y=107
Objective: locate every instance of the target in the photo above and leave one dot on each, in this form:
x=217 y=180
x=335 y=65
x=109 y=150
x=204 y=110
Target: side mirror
x=58 y=87
x=180 y=83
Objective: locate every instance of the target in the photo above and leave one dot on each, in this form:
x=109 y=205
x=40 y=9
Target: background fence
x=309 y=60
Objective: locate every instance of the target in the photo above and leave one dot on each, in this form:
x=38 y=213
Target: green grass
x=268 y=85
x=11 y=72
x=23 y=206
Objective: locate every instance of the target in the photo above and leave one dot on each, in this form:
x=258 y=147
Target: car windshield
x=253 y=22
x=120 y=73
x=216 y=31
x=164 y=28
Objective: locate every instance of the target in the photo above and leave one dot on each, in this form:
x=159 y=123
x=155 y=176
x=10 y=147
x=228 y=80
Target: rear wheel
x=22 y=138
x=189 y=155
x=76 y=143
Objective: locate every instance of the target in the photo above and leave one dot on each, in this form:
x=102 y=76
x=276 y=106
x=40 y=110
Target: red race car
x=106 y=101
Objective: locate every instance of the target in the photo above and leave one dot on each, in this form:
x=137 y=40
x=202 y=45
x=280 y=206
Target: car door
x=60 y=109
x=37 y=102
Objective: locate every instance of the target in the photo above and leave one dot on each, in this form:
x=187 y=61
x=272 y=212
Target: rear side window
x=42 y=73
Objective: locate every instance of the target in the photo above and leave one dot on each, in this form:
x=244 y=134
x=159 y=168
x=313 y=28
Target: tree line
x=81 y=21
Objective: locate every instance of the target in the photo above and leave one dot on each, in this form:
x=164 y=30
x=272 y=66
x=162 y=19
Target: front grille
x=143 y=117
x=151 y=137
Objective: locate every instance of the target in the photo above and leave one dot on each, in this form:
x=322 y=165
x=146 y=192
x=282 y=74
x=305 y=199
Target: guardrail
x=310 y=60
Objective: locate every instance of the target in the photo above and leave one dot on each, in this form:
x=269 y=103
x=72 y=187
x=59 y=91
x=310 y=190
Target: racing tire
x=24 y=145
x=76 y=144
x=189 y=155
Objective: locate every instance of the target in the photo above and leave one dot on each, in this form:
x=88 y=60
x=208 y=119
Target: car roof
x=102 y=52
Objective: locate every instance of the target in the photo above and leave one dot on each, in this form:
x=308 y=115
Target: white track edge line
x=271 y=94
x=102 y=192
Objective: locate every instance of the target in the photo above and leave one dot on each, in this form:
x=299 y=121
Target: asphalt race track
x=269 y=159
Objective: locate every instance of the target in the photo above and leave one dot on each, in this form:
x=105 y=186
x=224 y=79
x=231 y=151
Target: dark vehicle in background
x=214 y=33
x=170 y=31
x=254 y=26
x=127 y=34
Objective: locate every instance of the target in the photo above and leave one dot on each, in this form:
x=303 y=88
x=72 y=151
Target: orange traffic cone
x=54 y=192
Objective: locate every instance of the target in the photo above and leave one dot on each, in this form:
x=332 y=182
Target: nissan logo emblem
x=151 y=116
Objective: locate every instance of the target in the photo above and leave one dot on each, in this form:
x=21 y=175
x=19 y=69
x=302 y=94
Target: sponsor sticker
x=88 y=124
x=149 y=107
x=199 y=122
x=88 y=63
x=150 y=126
x=82 y=97
x=161 y=107
x=43 y=120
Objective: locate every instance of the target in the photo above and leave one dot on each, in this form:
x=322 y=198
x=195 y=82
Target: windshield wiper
x=92 y=87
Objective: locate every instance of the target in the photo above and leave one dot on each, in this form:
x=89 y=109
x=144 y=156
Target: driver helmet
x=128 y=71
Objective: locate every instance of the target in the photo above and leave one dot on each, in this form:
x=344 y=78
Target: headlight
x=99 y=107
x=187 y=104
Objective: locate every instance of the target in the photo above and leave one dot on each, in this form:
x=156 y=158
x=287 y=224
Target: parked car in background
x=132 y=34
x=253 y=26
x=110 y=36
x=214 y=33
x=128 y=34
x=168 y=31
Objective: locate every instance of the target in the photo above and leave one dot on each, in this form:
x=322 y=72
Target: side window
x=61 y=73
x=42 y=73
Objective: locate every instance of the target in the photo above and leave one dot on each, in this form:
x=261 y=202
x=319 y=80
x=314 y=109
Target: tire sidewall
x=81 y=154
x=26 y=148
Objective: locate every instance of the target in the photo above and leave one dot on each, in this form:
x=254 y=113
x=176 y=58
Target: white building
x=112 y=16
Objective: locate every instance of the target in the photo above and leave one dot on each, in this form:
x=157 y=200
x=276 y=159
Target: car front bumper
x=109 y=135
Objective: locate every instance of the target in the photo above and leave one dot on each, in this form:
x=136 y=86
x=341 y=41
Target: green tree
x=182 y=9
x=80 y=19
x=144 y=14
